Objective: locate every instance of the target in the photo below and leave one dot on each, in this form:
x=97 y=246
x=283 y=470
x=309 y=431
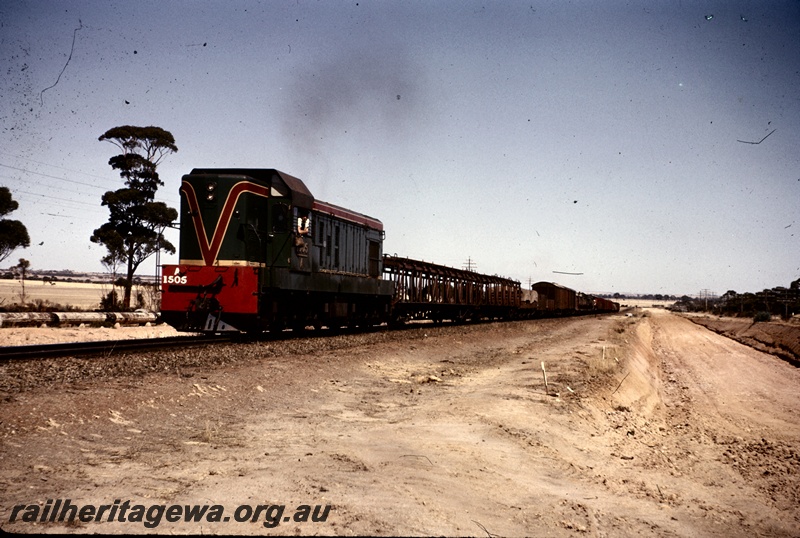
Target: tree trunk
x=126 y=300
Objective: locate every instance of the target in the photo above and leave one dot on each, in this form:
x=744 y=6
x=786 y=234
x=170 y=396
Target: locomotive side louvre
x=335 y=277
x=345 y=242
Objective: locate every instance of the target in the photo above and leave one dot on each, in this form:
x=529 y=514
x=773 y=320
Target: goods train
x=258 y=252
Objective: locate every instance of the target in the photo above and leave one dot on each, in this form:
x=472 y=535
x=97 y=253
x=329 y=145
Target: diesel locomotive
x=258 y=252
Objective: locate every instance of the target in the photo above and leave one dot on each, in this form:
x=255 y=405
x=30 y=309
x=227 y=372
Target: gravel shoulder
x=649 y=426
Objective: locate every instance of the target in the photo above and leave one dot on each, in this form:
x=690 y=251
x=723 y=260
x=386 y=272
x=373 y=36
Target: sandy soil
x=652 y=426
x=779 y=338
x=28 y=336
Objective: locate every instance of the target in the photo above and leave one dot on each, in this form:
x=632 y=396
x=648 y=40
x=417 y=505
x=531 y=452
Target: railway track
x=105 y=347
x=115 y=347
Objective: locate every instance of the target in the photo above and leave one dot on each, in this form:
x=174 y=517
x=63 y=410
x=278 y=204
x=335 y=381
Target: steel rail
x=104 y=347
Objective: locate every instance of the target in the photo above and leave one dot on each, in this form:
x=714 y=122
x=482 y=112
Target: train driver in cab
x=303 y=231
x=303 y=224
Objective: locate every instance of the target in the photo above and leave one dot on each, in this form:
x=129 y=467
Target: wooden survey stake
x=544 y=374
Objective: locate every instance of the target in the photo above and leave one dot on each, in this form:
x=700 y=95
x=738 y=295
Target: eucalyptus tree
x=136 y=221
x=13 y=234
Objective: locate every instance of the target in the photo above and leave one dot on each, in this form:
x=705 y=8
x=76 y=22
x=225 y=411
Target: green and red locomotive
x=258 y=252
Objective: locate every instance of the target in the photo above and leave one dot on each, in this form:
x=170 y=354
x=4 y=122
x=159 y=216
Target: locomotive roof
x=546 y=285
x=352 y=216
x=301 y=196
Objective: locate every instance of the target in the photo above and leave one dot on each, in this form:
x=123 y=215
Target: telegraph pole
x=705 y=293
x=470 y=265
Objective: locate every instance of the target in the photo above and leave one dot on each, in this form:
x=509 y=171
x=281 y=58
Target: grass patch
x=39 y=305
x=604 y=363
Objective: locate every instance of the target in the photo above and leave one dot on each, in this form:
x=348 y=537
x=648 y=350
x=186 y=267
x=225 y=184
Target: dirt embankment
x=649 y=426
x=778 y=338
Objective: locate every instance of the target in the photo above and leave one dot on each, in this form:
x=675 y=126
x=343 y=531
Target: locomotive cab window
x=280 y=218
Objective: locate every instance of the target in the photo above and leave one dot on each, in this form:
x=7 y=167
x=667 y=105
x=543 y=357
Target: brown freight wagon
x=556 y=299
x=604 y=305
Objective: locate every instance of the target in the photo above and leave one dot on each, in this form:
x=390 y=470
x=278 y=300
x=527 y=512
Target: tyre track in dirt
x=779 y=338
x=742 y=408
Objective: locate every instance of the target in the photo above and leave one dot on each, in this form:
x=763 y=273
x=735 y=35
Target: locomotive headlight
x=211 y=188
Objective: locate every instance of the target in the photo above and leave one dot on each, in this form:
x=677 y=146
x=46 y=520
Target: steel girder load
x=429 y=291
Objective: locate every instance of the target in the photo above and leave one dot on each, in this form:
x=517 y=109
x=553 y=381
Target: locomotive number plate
x=174 y=279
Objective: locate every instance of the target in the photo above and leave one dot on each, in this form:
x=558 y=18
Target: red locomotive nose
x=195 y=297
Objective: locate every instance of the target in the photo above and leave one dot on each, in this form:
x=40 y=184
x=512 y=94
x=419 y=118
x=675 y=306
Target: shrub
x=762 y=316
x=110 y=302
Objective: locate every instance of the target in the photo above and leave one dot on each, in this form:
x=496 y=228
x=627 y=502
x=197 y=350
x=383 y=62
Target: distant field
x=644 y=303
x=77 y=294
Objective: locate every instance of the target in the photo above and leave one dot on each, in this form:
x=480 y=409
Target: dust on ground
x=649 y=426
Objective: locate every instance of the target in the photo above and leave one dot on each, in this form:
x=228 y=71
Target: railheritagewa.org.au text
x=151 y=516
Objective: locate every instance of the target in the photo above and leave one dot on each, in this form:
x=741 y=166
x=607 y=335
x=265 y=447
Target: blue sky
x=603 y=138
